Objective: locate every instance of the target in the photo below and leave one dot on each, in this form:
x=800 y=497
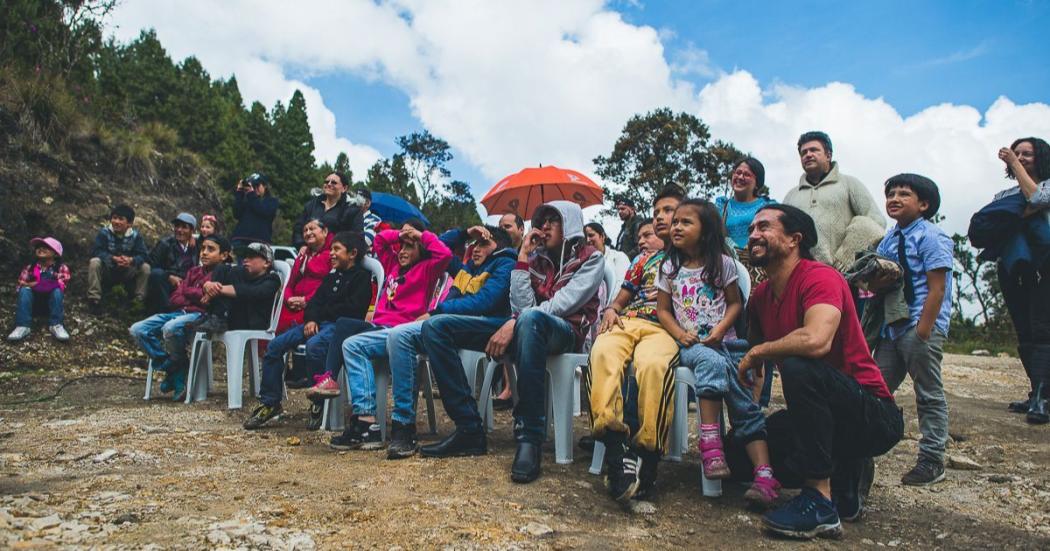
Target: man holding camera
x=255 y=208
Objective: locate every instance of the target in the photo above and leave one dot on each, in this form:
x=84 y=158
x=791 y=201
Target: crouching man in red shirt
x=802 y=319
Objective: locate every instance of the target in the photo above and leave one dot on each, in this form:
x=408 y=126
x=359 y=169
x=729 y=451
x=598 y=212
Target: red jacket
x=187 y=296
x=309 y=271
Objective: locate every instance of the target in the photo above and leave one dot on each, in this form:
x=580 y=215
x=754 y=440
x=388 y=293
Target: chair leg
x=561 y=388
x=149 y=379
x=679 y=437
x=256 y=368
x=598 y=458
x=428 y=380
x=197 y=386
x=485 y=393
x=382 y=371
x=197 y=351
x=335 y=408
x=577 y=375
x=234 y=372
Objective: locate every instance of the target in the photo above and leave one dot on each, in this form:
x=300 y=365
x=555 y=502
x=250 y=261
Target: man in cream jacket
x=848 y=219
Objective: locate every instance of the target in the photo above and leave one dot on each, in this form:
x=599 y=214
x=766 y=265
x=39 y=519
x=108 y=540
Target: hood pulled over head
x=571 y=217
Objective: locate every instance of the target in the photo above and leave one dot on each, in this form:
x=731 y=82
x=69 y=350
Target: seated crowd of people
x=729 y=289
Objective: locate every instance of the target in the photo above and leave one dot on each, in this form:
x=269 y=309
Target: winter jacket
x=253 y=305
x=848 y=219
x=343 y=294
x=168 y=255
x=1006 y=235
x=627 y=240
x=889 y=305
x=481 y=290
x=309 y=270
x=406 y=296
x=566 y=289
x=344 y=216
x=48 y=280
x=187 y=296
x=254 y=216
x=108 y=244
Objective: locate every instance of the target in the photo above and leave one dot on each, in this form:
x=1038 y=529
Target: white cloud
x=514 y=84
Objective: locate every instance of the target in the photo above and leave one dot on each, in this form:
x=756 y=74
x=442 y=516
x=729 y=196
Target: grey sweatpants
x=909 y=355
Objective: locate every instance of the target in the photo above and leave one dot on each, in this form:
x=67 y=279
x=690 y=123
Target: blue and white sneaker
x=807 y=516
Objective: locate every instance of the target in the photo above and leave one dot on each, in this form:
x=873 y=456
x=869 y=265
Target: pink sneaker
x=715 y=467
x=325 y=387
x=763 y=492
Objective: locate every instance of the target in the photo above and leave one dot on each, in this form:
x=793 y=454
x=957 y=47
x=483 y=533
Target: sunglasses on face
x=552 y=220
x=332 y=182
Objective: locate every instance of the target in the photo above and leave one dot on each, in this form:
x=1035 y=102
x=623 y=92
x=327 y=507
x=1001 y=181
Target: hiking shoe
x=763 y=492
x=924 y=473
x=178 y=383
x=324 y=387
x=403 y=441
x=262 y=415
x=807 y=516
x=210 y=324
x=714 y=461
x=22 y=332
x=647 y=475
x=623 y=483
x=316 y=416
x=59 y=333
x=850 y=484
x=358 y=435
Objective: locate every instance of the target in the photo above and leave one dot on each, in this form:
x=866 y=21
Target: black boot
x=458 y=444
x=1024 y=351
x=526 y=465
x=1040 y=372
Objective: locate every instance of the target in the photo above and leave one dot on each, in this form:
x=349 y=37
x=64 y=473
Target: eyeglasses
x=332 y=182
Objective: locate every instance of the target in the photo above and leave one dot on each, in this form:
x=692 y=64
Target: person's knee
x=95 y=263
x=795 y=369
x=434 y=329
x=530 y=319
x=136 y=330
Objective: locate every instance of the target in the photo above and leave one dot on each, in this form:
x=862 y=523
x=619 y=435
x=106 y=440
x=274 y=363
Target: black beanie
x=123 y=211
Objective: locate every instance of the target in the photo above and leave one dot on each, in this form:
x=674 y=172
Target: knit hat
x=261 y=250
x=49 y=242
x=124 y=211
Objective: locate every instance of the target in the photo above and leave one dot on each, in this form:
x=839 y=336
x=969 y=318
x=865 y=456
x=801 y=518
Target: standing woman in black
x=333 y=207
x=254 y=207
x=1027 y=290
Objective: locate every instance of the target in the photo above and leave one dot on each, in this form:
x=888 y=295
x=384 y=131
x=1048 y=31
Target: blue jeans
x=536 y=336
x=404 y=343
x=24 y=312
x=271 y=388
x=358 y=352
x=171 y=326
x=715 y=371
x=344 y=329
x=442 y=336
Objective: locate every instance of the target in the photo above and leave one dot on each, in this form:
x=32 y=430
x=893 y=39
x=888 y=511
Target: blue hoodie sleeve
x=453 y=239
x=101 y=249
x=487 y=300
x=139 y=250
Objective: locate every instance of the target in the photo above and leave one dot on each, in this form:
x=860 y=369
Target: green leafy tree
x=455 y=209
x=391 y=176
x=662 y=148
x=426 y=156
x=342 y=165
x=295 y=158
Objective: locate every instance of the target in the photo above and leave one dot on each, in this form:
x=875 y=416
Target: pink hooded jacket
x=406 y=296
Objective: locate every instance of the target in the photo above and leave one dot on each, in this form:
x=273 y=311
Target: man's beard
x=764 y=260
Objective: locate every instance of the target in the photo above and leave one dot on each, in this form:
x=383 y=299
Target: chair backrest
x=285 y=272
x=376 y=268
x=441 y=289
x=611 y=288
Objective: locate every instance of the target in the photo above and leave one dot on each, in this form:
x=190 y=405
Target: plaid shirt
x=33 y=272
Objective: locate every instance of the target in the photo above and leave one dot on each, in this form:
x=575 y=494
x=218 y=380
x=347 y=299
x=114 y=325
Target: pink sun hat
x=49 y=242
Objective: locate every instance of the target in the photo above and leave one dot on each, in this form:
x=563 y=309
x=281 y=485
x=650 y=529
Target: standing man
x=170 y=260
x=847 y=218
x=514 y=226
x=627 y=240
x=802 y=319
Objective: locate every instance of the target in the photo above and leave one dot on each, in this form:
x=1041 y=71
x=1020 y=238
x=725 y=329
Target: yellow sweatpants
x=654 y=354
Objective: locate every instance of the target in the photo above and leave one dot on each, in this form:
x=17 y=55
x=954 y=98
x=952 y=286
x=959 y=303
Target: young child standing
x=187 y=303
x=44 y=279
x=914 y=346
x=698 y=302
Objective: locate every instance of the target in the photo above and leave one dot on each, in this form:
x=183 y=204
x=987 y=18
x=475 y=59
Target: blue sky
x=912 y=54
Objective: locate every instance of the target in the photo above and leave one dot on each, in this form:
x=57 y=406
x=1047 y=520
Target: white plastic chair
x=678 y=439
x=611 y=290
x=334 y=414
x=235 y=342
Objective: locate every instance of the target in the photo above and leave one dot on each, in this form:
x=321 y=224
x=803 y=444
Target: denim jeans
x=715 y=372
x=404 y=343
x=536 y=336
x=910 y=355
x=344 y=329
x=442 y=336
x=358 y=352
x=24 y=312
x=171 y=326
x=271 y=389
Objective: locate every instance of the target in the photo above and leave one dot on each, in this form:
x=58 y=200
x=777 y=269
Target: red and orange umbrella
x=522 y=192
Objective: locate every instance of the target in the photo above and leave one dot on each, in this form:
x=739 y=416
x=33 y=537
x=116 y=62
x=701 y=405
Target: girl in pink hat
x=43 y=280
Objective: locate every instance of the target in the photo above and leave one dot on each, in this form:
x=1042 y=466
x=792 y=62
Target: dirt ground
x=100 y=467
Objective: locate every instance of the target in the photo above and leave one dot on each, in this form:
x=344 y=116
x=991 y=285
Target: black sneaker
x=647 y=475
x=624 y=484
x=403 y=441
x=924 y=473
x=210 y=324
x=850 y=485
x=316 y=416
x=358 y=435
x=262 y=415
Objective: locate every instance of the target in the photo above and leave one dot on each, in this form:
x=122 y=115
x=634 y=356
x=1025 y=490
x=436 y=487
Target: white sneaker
x=18 y=334
x=59 y=332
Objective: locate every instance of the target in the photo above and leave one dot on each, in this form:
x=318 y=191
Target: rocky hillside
x=66 y=190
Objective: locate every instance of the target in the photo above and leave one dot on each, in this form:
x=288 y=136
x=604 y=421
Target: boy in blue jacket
x=480 y=288
x=117 y=256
